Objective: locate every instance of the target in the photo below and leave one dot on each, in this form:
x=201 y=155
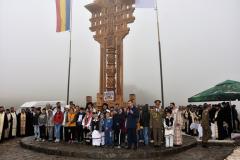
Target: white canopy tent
x=41 y=104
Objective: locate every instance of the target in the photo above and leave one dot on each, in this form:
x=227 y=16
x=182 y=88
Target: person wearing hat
x=169 y=128
x=156 y=123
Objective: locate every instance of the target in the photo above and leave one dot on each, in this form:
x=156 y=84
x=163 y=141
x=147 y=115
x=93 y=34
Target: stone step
x=235 y=155
x=90 y=152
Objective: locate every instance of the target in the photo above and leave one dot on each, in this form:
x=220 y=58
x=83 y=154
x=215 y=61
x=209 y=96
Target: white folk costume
x=96 y=135
x=214 y=127
x=200 y=131
x=3 y=125
x=14 y=124
x=178 y=121
x=7 y=130
x=213 y=130
x=194 y=117
x=96 y=138
x=169 y=130
x=2 y=118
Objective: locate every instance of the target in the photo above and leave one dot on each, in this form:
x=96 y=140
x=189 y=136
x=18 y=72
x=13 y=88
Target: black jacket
x=35 y=119
x=145 y=117
x=77 y=116
x=132 y=118
x=116 y=121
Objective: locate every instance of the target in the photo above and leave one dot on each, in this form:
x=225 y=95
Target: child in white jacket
x=169 y=129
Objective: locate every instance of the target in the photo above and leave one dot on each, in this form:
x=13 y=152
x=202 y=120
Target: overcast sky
x=200 y=48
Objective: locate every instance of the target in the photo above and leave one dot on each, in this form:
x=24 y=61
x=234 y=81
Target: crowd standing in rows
x=126 y=127
x=223 y=120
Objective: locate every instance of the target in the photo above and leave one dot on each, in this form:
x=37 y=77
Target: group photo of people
x=121 y=127
x=223 y=120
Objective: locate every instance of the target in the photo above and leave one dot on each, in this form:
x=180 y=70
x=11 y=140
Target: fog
x=200 y=47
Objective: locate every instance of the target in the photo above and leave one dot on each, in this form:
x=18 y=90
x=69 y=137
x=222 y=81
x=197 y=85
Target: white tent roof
x=41 y=104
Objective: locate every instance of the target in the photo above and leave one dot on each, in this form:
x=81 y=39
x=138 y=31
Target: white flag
x=144 y=3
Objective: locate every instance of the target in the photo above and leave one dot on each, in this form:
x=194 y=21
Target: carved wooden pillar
x=110 y=19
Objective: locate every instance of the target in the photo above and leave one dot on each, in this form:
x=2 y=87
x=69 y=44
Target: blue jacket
x=108 y=123
x=132 y=118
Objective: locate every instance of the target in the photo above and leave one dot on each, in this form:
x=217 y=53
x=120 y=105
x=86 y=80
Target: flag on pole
x=63 y=15
x=144 y=3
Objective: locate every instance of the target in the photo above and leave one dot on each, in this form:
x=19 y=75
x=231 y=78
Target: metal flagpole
x=160 y=53
x=70 y=54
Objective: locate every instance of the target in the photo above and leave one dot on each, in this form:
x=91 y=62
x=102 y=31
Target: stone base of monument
x=90 y=152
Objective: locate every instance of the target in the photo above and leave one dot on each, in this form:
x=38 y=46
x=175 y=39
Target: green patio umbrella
x=226 y=91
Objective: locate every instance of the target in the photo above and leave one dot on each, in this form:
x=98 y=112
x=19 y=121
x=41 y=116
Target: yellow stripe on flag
x=63 y=14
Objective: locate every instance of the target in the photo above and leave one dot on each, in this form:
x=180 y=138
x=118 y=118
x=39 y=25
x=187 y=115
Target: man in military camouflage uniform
x=205 y=125
x=156 y=123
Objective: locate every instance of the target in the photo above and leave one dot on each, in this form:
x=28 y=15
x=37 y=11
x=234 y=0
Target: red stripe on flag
x=58 y=16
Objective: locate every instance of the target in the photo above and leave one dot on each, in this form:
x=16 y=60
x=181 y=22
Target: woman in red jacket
x=58 y=120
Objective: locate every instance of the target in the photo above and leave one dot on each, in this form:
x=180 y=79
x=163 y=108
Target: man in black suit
x=132 y=118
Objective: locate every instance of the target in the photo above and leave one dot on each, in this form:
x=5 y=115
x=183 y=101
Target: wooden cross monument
x=109 y=21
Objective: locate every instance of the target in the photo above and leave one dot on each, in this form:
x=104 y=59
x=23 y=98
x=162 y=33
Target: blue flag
x=144 y=3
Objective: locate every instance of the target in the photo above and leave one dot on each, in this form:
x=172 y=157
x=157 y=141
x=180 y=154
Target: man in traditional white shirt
x=3 y=123
x=13 y=131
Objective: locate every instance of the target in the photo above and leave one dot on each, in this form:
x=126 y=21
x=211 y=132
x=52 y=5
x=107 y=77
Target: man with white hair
x=3 y=123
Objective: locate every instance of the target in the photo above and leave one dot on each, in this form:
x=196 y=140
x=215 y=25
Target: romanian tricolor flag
x=63 y=15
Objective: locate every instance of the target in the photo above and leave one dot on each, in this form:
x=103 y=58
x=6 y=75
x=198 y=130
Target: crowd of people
x=223 y=120
x=127 y=127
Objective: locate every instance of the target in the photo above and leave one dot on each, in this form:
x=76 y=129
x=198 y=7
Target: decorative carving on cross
x=109 y=22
